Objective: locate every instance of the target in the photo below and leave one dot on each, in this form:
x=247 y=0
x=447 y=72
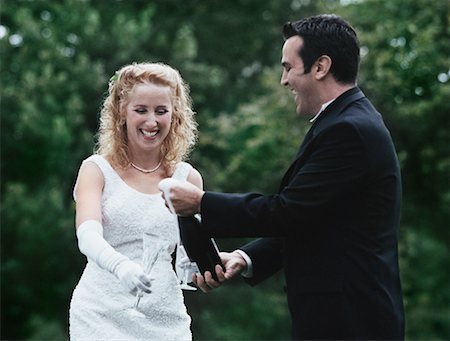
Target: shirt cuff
x=248 y=273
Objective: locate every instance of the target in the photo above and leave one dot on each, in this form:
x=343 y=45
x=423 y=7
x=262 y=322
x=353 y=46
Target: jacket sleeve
x=267 y=258
x=330 y=173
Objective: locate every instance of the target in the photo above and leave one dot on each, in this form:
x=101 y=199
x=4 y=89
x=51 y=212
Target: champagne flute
x=185 y=269
x=153 y=246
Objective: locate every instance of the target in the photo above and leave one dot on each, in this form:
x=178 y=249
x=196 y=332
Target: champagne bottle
x=199 y=247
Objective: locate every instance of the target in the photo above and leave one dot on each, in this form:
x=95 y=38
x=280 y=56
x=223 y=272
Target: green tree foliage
x=56 y=59
x=260 y=137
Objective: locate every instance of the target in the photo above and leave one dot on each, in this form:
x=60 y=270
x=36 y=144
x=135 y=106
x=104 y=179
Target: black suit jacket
x=332 y=227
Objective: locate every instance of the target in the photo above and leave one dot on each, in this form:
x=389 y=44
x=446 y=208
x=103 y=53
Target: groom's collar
x=321 y=109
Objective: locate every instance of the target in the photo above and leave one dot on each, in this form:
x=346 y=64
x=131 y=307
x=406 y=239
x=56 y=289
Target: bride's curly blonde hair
x=112 y=135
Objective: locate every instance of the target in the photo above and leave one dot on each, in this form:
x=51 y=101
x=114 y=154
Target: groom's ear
x=321 y=67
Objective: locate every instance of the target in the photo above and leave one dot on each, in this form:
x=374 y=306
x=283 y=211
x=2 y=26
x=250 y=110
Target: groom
x=333 y=225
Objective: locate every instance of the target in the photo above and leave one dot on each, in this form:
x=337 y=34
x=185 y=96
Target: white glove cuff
x=90 y=225
x=92 y=244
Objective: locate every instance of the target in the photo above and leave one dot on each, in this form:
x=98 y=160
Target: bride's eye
x=141 y=110
x=161 y=110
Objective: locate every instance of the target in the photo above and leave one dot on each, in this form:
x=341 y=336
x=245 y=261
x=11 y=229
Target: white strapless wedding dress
x=98 y=309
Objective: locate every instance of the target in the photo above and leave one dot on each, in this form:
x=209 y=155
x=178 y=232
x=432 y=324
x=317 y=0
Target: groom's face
x=294 y=77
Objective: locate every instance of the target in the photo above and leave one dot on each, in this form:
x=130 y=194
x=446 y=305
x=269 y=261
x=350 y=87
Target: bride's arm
x=88 y=194
x=195 y=178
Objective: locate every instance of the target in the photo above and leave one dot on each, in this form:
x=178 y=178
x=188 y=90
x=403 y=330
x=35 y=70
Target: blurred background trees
x=56 y=57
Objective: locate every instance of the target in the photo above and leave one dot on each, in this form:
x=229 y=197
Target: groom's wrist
x=248 y=267
x=200 y=195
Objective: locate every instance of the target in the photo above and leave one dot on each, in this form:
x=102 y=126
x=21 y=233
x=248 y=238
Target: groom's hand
x=234 y=264
x=185 y=198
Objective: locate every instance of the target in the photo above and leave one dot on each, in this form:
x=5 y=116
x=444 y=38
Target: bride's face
x=148 y=116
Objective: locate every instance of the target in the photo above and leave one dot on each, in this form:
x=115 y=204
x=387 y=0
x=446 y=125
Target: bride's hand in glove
x=133 y=278
x=234 y=264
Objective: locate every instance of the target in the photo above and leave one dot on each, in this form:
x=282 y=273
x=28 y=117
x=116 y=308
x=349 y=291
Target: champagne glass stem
x=138 y=298
x=186 y=275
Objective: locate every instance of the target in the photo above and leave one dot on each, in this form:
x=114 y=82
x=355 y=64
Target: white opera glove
x=92 y=244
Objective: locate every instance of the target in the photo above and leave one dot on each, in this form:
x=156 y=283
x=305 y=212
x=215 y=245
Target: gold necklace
x=146 y=171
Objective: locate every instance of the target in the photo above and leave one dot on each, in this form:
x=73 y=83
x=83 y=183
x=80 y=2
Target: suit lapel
x=334 y=109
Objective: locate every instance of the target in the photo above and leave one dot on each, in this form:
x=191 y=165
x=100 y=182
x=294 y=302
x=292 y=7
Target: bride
x=147 y=128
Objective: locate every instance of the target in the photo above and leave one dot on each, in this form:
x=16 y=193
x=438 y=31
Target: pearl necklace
x=146 y=171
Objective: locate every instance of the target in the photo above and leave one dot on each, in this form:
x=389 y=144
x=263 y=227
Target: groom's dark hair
x=330 y=35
